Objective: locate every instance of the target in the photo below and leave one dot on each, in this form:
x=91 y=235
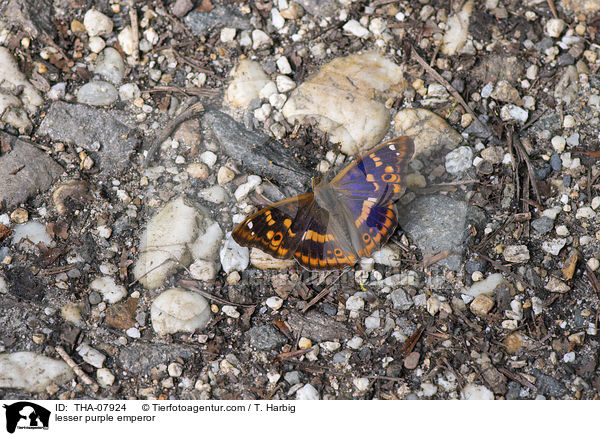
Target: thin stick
x=449 y=87
x=134 y=29
x=76 y=369
x=190 y=284
x=321 y=294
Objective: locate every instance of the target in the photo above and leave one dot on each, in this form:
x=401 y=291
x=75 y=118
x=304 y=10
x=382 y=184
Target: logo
x=26 y=415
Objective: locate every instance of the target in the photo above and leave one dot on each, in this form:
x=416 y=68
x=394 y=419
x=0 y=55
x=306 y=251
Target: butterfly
x=340 y=221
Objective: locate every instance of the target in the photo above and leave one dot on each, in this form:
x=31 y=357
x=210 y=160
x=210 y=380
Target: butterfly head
x=316 y=181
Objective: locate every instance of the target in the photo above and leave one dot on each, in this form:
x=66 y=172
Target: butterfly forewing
x=378 y=174
x=277 y=229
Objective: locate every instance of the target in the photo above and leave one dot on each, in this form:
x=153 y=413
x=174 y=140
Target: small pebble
x=569 y=122
x=274 y=303
x=209 y=158
x=593 y=263
x=175 y=369
x=412 y=360
x=355 y=343
x=96 y=23
x=559 y=142
x=230 y=311
x=283 y=65
x=356 y=29
x=555 y=27
x=355 y=303
x=516 y=253
x=481 y=305
x=19 y=215
x=304 y=343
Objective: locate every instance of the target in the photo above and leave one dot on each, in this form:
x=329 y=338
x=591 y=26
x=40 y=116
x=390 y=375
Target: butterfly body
x=340 y=221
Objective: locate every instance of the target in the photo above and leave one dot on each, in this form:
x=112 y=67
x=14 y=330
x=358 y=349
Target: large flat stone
x=107 y=140
x=24 y=171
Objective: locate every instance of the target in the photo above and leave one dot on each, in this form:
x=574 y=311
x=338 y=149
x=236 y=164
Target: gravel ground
x=132 y=141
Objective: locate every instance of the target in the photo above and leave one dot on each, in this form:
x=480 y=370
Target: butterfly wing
x=379 y=174
x=296 y=227
x=277 y=229
x=369 y=186
x=319 y=248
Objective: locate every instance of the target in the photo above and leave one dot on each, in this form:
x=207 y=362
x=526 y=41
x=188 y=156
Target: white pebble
x=284 y=65
x=555 y=27
x=260 y=39
x=585 y=212
x=511 y=112
x=355 y=343
x=105 y=377
x=569 y=122
x=355 y=303
x=277 y=20
x=274 y=303
x=244 y=189
x=230 y=311
x=110 y=290
x=373 y=321
x=593 y=263
x=209 y=158
x=267 y=90
x=127 y=40
x=178 y=310
x=558 y=143
x=96 y=23
x=204 y=270
x=96 y=44
x=227 y=34
x=356 y=29
x=91 y=355
x=307 y=392
x=284 y=83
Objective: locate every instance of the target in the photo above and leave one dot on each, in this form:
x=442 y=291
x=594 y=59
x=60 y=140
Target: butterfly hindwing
x=277 y=229
x=376 y=226
x=320 y=249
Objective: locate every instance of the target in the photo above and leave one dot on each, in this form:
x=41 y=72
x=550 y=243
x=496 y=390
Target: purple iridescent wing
x=370 y=185
x=379 y=173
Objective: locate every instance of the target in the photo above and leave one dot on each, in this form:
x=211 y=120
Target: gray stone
x=400 y=299
x=319 y=8
x=97 y=93
x=543 y=225
x=24 y=171
x=318 y=327
x=265 y=337
x=139 y=358
x=110 y=65
x=292 y=377
x=556 y=162
x=89 y=127
x=548 y=386
x=201 y=23
x=36 y=17
x=342 y=357
x=437 y=224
